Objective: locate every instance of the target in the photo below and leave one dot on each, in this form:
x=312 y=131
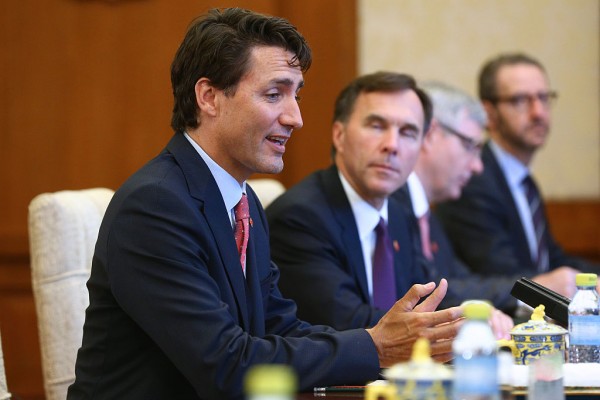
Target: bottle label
x=476 y=375
x=584 y=330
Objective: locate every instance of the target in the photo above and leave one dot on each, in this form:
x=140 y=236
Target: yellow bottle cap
x=586 y=279
x=477 y=309
x=270 y=379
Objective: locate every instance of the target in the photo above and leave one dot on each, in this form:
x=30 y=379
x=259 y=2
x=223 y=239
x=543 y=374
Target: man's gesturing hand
x=395 y=334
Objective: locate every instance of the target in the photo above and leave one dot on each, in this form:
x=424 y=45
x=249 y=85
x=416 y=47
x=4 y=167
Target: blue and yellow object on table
x=535 y=338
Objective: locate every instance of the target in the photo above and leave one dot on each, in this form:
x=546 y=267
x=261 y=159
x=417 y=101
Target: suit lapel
x=402 y=246
x=424 y=269
x=203 y=187
x=504 y=191
x=342 y=212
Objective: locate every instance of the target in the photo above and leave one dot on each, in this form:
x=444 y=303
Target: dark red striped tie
x=242 y=228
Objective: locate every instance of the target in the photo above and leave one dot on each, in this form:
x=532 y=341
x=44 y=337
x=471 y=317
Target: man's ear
x=492 y=114
x=430 y=136
x=338 y=131
x=206 y=96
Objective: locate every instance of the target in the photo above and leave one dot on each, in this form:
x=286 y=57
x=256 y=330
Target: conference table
x=581 y=381
x=518 y=394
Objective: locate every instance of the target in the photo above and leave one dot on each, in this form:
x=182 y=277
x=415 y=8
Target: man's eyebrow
x=412 y=126
x=288 y=82
x=375 y=117
x=380 y=118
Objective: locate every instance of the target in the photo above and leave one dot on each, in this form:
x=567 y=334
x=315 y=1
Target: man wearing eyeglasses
x=498 y=227
x=449 y=156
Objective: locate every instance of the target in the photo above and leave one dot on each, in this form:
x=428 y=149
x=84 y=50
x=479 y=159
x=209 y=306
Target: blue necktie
x=539 y=223
x=384 y=282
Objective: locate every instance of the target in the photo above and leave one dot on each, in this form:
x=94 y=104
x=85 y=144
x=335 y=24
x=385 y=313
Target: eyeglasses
x=469 y=144
x=524 y=101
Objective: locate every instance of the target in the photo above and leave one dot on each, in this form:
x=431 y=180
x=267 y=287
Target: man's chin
x=535 y=145
x=386 y=190
x=271 y=168
x=453 y=195
x=537 y=139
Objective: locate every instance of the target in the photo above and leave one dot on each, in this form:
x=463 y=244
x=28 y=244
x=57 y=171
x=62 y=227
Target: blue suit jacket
x=463 y=284
x=315 y=243
x=171 y=315
x=486 y=231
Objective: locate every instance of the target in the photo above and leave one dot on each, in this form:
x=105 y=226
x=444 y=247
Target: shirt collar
x=513 y=169
x=418 y=198
x=230 y=189
x=366 y=216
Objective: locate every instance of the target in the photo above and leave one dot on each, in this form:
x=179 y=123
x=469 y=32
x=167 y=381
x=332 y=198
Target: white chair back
x=4 y=394
x=63 y=229
x=266 y=189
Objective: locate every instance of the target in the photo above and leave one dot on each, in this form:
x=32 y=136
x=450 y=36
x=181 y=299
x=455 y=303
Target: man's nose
x=537 y=107
x=477 y=165
x=291 y=115
x=391 y=141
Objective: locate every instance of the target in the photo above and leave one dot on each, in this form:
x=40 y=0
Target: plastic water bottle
x=584 y=321
x=475 y=358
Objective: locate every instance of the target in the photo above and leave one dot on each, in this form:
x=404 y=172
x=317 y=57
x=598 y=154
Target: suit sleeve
x=463 y=284
x=316 y=272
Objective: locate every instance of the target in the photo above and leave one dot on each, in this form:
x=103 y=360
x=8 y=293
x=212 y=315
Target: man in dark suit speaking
x=183 y=294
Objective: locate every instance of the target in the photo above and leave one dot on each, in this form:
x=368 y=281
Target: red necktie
x=384 y=282
x=242 y=228
x=425 y=239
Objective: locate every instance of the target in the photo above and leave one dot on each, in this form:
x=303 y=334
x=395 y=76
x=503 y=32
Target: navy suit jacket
x=486 y=231
x=171 y=315
x=463 y=284
x=315 y=243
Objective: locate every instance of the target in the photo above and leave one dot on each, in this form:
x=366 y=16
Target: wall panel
x=85 y=100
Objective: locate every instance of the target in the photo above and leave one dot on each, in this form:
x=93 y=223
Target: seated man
x=326 y=232
x=498 y=226
x=183 y=294
x=449 y=156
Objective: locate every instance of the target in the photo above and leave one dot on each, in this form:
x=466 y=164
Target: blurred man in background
x=498 y=226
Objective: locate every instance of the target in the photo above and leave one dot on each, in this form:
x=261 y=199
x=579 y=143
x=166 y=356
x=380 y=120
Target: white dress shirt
x=366 y=217
x=418 y=198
